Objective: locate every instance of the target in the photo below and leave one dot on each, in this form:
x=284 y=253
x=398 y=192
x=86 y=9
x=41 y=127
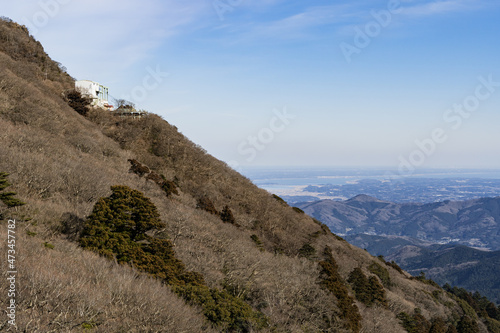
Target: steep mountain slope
x=473 y=223
x=240 y=241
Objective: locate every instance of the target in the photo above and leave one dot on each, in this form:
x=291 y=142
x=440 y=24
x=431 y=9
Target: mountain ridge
x=447 y=258
x=460 y=266
x=473 y=222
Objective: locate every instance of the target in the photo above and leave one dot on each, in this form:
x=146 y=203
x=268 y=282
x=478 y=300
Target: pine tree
x=467 y=325
x=421 y=323
x=492 y=311
x=377 y=291
x=227 y=215
x=438 y=326
x=78 y=102
x=8 y=197
x=126 y=214
x=361 y=286
x=452 y=329
x=333 y=282
x=367 y=290
x=206 y=204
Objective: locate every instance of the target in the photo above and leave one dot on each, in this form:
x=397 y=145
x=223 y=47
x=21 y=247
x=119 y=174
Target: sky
x=403 y=84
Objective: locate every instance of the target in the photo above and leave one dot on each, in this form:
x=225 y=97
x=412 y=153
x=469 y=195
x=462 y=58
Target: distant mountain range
x=473 y=223
x=455 y=186
x=384 y=245
x=427 y=238
x=457 y=265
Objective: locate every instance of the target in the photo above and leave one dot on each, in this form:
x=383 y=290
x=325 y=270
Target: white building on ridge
x=97 y=92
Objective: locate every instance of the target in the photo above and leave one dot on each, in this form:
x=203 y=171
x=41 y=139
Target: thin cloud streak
x=312 y=17
x=342 y=17
x=440 y=7
x=100 y=31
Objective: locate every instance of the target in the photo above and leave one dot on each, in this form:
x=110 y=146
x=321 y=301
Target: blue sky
x=316 y=83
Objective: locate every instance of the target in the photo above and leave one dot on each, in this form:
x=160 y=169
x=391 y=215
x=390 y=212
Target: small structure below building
x=95 y=91
x=128 y=111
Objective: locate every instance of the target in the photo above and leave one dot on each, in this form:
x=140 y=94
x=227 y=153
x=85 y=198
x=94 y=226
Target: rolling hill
x=473 y=223
x=456 y=265
x=409 y=235
x=460 y=266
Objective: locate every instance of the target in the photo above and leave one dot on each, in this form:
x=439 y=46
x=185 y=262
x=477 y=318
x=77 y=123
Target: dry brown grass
x=61 y=290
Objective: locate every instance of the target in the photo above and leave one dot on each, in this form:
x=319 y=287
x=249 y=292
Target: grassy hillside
x=216 y=247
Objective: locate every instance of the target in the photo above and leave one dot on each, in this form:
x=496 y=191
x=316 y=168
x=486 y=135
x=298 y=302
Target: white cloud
x=297 y=25
x=116 y=33
x=440 y=7
x=314 y=16
x=347 y=15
